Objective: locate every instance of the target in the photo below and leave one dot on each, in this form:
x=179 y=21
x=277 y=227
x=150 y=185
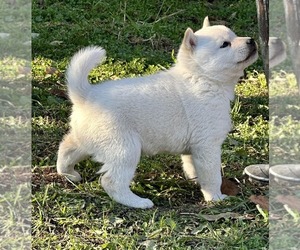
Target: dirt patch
x=12 y=177
x=43 y=176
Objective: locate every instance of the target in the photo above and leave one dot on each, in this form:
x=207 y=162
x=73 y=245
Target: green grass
x=285 y=119
x=15 y=21
x=141 y=37
x=284 y=149
x=15 y=125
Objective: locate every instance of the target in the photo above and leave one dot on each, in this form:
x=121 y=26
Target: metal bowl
x=259 y=172
x=286 y=172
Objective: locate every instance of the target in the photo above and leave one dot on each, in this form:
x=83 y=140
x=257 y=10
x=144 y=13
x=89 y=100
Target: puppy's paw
x=144 y=203
x=135 y=202
x=124 y=195
x=215 y=197
x=73 y=176
x=219 y=197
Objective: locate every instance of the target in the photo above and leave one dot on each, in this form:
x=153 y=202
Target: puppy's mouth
x=252 y=53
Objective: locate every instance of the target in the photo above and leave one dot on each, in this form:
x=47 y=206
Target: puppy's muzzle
x=252 y=46
x=251 y=42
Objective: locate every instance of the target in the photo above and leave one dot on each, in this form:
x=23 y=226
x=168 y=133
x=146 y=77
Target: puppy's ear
x=189 y=40
x=206 y=22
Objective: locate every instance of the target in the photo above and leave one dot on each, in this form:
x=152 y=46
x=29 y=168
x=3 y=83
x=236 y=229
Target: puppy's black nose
x=251 y=41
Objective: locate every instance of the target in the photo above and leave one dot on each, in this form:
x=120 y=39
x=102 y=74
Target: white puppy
x=183 y=110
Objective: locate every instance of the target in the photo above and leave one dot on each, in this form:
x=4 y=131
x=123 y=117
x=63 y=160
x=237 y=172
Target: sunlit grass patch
x=285 y=119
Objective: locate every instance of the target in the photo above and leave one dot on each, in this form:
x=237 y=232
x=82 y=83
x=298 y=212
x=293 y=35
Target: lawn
x=15 y=125
x=141 y=37
x=284 y=149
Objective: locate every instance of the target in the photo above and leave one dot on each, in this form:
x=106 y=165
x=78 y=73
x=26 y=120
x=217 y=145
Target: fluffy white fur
x=184 y=110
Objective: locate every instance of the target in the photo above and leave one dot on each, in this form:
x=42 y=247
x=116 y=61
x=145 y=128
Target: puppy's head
x=216 y=52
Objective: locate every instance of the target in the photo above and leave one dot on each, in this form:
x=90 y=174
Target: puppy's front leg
x=207 y=162
x=188 y=167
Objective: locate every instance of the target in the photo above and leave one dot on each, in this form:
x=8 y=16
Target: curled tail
x=77 y=73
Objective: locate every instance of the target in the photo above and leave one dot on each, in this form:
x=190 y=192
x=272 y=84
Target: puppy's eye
x=225 y=44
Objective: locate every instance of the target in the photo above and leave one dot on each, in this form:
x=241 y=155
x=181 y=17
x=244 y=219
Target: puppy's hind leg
x=119 y=171
x=68 y=155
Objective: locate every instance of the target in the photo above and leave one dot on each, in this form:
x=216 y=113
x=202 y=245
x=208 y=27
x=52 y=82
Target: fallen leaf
x=34 y=35
x=59 y=93
x=148 y=244
x=229 y=187
x=4 y=35
x=24 y=70
x=215 y=217
x=261 y=200
x=290 y=200
x=51 y=70
x=54 y=43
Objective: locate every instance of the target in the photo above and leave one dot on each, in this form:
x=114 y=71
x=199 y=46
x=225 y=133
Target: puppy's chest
x=207 y=107
x=209 y=115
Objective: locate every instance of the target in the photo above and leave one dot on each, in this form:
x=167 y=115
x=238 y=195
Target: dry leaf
x=215 y=217
x=229 y=187
x=51 y=70
x=59 y=93
x=54 y=43
x=290 y=200
x=261 y=200
x=4 y=35
x=24 y=70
